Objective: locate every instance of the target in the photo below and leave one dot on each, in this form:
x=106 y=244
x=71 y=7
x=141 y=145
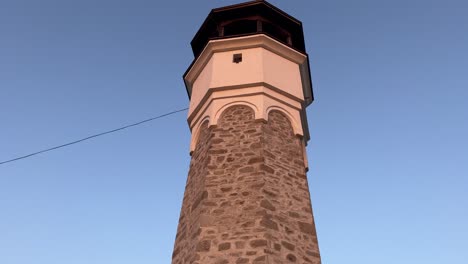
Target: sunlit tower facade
x=247 y=198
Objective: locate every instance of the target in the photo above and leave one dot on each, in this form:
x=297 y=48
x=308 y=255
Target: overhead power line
x=92 y=136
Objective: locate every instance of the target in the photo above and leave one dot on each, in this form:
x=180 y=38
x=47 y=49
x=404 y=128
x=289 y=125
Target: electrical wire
x=92 y=136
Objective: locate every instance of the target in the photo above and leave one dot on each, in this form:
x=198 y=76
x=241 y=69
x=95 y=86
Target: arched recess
x=292 y=121
x=235 y=115
x=288 y=134
x=220 y=111
x=205 y=122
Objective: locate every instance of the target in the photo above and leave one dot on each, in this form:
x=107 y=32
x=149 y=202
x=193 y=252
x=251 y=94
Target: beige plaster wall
x=282 y=73
x=258 y=65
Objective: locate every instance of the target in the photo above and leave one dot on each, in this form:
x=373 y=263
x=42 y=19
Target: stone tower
x=247 y=198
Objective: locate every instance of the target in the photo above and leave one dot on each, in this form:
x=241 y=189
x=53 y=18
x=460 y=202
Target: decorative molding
x=294 y=123
x=261 y=99
x=220 y=110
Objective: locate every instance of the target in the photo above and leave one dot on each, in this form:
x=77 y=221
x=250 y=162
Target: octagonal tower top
x=255 y=17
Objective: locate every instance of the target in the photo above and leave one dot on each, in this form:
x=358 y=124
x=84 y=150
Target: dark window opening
x=276 y=32
x=240 y=27
x=213 y=31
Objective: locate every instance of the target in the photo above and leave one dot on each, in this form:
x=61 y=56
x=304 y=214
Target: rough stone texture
x=247 y=198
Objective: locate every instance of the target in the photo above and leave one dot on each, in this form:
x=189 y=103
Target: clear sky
x=389 y=128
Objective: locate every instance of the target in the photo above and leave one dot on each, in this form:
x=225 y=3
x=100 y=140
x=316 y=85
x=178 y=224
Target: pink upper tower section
x=249 y=54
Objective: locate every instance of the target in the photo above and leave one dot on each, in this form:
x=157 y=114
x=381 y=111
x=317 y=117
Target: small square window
x=236 y=58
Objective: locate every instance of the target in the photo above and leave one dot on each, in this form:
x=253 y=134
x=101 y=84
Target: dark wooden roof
x=248 y=19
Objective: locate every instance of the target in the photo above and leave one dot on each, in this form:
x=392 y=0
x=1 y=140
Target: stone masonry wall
x=187 y=237
x=247 y=198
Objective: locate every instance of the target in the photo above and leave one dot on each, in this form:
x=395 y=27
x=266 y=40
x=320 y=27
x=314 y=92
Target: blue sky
x=388 y=150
